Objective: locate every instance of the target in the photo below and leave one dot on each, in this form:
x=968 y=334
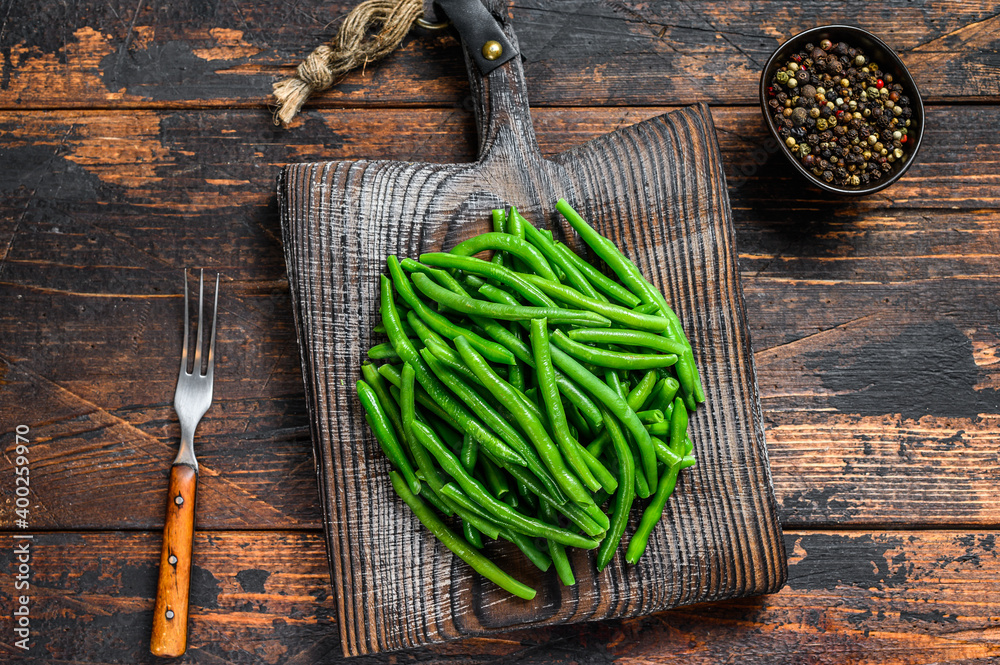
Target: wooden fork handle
x=170 y=615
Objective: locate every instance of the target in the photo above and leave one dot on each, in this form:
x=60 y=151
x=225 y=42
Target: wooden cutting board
x=657 y=189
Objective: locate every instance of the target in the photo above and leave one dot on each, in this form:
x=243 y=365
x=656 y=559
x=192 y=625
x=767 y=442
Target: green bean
x=495 y=478
x=470 y=452
x=499 y=226
x=459 y=547
x=663 y=452
x=556 y=259
x=650 y=416
x=651 y=516
x=475 y=490
x=601 y=281
x=383 y=351
x=380 y=328
x=505 y=276
x=666 y=391
x=439 y=323
x=624 y=496
x=627 y=338
x=615 y=405
x=374 y=379
x=636 y=399
x=529 y=488
x=470 y=306
x=425 y=466
x=556 y=550
x=386 y=438
x=472 y=535
x=613 y=359
x=630 y=275
x=647 y=308
x=616 y=313
x=434 y=389
x=531 y=425
x=678 y=427
x=488 y=414
x=391 y=374
x=554 y=406
x=525 y=544
x=505 y=243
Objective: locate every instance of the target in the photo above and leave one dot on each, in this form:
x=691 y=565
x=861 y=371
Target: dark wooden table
x=135 y=140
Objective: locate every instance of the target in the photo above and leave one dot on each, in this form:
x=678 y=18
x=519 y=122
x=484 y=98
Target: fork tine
x=187 y=326
x=201 y=331
x=215 y=315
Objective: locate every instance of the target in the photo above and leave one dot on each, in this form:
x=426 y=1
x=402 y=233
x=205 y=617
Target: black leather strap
x=476 y=26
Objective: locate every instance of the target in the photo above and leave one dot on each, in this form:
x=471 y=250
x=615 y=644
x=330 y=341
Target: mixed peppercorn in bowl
x=844 y=108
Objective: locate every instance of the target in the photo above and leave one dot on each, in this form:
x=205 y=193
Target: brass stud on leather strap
x=492 y=50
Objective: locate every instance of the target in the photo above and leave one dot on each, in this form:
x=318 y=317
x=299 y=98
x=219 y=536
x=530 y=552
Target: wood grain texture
x=656 y=189
x=94 y=230
x=884 y=598
x=170 y=612
x=199 y=54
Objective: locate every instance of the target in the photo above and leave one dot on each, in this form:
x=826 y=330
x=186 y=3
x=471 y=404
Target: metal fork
x=192 y=399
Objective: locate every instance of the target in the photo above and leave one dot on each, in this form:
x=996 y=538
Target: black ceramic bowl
x=875 y=50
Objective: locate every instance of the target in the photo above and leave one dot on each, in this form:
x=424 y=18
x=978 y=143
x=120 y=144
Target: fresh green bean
x=470 y=452
x=472 y=535
x=613 y=359
x=383 y=351
x=483 y=308
x=505 y=243
x=457 y=545
x=531 y=425
x=434 y=389
x=439 y=323
x=490 y=417
x=527 y=546
x=391 y=374
x=475 y=490
x=627 y=338
x=495 y=478
x=666 y=391
x=386 y=438
x=473 y=266
x=651 y=516
x=615 y=404
x=374 y=379
x=553 y=404
x=616 y=313
x=624 y=496
x=647 y=308
x=499 y=226
x=678 y=427
x=601 y=281
x=650 y=416
x=556 y=550
x=407 y=406
x=531 y=491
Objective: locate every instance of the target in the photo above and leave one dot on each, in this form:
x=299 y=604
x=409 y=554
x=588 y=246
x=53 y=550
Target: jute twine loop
x=352 y=47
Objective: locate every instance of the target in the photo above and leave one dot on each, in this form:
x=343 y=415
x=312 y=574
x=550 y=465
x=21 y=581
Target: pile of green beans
x=503 y=381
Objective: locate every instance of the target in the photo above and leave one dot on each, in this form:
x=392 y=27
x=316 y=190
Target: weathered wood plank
x=103 y=210
x=900 y=598
x=618 y=53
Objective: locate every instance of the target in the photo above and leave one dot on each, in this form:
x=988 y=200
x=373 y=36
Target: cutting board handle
x=500 y=102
